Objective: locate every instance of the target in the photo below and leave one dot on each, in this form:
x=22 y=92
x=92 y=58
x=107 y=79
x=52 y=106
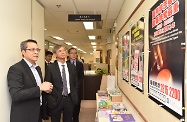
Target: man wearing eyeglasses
x=80 y=74
x=26 y=86
x=65 y=93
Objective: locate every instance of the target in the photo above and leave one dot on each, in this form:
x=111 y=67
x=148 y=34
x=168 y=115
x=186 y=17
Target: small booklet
x=121 y=118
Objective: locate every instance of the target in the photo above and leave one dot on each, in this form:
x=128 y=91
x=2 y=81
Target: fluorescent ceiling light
x=68 y=43
x=74 y=46
x=93 y=43
x=94 y=47
x=88 y=25
x=45 y=29
x=58 y=38
x=91 y=37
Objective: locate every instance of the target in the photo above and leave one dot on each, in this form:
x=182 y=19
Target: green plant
x=101 y=71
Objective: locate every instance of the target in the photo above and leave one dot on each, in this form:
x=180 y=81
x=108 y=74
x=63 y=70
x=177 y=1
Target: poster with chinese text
x=137 y=54
x=166 y=57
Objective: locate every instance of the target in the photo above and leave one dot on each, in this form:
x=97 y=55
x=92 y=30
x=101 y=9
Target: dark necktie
x=65 y=89
x=74 y=63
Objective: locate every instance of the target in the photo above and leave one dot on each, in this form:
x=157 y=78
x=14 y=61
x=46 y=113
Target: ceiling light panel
x=88 y=25
x=93 y=43
x=91 y=37
x=57 y=37
x=68 y=43
x=74 y=46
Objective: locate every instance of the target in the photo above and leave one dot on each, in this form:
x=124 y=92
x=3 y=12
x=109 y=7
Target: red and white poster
x=167 y=54
x=137 y=52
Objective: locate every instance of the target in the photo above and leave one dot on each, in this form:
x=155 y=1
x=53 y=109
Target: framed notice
x=125 y=56
x=167 y=54
x=137 y=54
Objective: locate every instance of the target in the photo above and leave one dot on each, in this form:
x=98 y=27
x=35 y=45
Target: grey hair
x=56 y=47
x=23 y=45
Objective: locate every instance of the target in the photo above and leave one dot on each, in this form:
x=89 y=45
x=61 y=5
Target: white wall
x=15 y=26
x=38 y=31
x=87 y=57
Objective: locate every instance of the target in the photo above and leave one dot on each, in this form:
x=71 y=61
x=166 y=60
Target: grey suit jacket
x=24 y=92
x=53 y=75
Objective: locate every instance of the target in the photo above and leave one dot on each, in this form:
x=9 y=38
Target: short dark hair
x=23 y=45
x=72 y=49
x=48 y=53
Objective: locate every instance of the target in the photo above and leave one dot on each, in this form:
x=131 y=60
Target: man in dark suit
x=48 y=57
x=80 y=74
x=26 y=87
x=64 y=96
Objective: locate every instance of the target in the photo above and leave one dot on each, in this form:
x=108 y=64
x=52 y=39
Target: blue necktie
x=65 y=89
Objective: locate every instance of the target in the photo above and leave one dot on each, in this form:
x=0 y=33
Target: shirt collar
x=29 y=64
x=60 y=64
x=72 y=61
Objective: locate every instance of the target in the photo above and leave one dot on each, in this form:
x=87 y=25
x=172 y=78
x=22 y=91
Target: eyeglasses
x=73 y=53
x=34 y=49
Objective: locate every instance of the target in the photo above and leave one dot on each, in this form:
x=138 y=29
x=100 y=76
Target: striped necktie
x=65 y=88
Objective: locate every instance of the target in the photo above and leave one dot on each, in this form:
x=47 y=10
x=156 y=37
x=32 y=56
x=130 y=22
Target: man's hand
x=46 y=87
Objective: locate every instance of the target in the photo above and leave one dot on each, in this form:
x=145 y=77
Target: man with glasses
x=64 y=96
x=80 y=74
x=26 y=86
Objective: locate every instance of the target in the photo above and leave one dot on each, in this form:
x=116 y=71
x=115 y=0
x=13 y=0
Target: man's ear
x=54 y=54
x=23 y=52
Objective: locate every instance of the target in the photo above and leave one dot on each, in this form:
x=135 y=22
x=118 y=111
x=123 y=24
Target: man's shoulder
x=18 y=64
x=16 y=67
x=79 y=63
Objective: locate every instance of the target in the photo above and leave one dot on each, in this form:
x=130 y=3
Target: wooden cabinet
x=91 y=85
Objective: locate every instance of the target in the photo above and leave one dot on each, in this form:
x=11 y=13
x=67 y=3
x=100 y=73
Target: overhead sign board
x=84 y=18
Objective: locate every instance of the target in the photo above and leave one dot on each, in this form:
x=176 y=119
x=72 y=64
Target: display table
x=106 y=113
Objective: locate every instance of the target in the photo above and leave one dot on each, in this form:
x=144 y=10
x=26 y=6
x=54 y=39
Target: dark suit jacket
x=24 y=92
x=80 y=73
x=47 y=65
x=53 y=75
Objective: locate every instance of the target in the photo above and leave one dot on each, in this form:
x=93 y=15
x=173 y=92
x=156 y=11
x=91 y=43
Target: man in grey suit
x=64 y=96
x=26 y=86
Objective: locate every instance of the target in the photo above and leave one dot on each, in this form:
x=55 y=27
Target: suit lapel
x=57 y=69
x=29 y=71
x=39 y=72
x=70 y=70
x=58 y=74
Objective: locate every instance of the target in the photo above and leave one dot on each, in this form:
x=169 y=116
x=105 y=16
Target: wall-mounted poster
x=137 y=52
x=125 y=60
x=167 y=54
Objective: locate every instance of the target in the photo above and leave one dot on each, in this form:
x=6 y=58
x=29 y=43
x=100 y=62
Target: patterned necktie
x=65 y=89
